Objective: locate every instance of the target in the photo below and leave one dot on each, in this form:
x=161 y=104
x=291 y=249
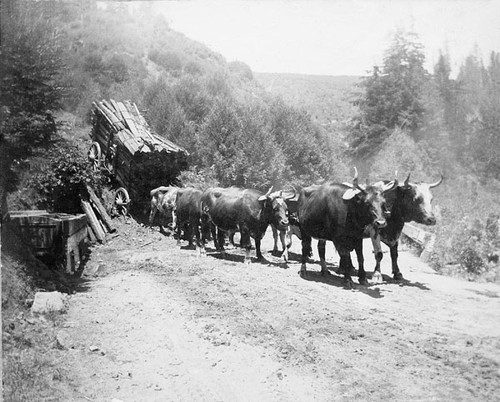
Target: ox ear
x=389 y=186
x=350 y=193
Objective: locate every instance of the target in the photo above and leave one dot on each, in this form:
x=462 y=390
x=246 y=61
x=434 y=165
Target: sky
x=336 y=37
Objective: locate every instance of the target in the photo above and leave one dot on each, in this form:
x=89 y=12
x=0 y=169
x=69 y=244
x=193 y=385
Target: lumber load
x=140 y=159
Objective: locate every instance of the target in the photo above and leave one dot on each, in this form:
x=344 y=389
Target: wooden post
x=101 y=210
x=93 y=222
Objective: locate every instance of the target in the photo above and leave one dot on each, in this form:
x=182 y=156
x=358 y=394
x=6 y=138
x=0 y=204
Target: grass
x=30 y=353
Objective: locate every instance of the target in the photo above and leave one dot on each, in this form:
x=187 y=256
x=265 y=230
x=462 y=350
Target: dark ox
x=163 y=202
x=188 y=216
x=244 y=210
x=339 y=213
x=406 y=203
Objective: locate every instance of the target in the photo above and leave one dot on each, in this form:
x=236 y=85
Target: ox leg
x=283 y=238
x=174 y=220
x=199 y=239
x=322 y=253
x=230 y=236
x=377 y=250
x=257 y=248
x=219 y=244
x=275 y=238
x=152 y=215
x=394 y=258
x=306 y=250
x=361 y=263
x=247 y=245
x=346 y=267
x=178 y=231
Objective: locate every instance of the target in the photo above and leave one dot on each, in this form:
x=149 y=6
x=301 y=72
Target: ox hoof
x=398 y=276
x=377 y=277
x=348 y=284
x=363 y=281
x=302 y=273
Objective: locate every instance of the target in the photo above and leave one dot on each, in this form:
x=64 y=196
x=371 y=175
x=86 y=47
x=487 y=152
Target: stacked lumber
x=141 y=159
x=99 y=221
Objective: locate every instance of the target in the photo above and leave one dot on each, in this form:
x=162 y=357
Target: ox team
x=344 y=213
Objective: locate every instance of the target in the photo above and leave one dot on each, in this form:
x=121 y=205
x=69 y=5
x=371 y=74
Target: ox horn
x=355 y=179
x=269 y=191
x=407 y=181
x=289 y=197
x=436 y=183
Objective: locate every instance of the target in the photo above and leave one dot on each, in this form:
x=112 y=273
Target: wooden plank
x=93 y=222
x=108 y=110
x=96 y=202
x=416 y=234
x=129 y=120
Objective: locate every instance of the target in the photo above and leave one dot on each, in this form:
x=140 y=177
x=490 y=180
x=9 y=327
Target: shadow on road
x=338 y=281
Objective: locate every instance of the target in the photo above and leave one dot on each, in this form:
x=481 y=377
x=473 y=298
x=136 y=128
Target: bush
x=62 y=182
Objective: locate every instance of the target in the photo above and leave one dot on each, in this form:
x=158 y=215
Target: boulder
x=47 y=302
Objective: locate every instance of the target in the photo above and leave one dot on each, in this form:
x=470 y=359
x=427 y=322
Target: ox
x=163 y=201
x=248 y=211
x=188 y=216
x=339 y=213
x=406 y=203
x=285 y=236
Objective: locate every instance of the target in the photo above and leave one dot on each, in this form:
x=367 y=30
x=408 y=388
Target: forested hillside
x=249 y=129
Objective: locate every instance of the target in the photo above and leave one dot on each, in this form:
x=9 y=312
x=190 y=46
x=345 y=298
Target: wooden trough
x=135 y=157
x=55 y=238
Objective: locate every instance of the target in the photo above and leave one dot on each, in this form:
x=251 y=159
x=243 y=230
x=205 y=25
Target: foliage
x=467 y=233
x=201 y=179
x=63 y=180
x=170 y=61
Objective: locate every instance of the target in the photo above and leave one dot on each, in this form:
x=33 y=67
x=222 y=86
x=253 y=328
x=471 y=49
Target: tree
x=393 y=93
x=30 y=62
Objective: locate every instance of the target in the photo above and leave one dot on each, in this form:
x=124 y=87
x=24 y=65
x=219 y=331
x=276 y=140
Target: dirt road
x=158 y=323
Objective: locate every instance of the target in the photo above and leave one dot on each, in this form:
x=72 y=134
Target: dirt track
x=171 y=326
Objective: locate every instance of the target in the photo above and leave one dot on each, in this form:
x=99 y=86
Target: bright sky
x=337 y=37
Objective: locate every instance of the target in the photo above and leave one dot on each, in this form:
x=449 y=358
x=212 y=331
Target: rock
x=63 y=340
x=93 y=348
x=46 y=302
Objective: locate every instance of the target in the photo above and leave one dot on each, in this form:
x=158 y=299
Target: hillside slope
x=326 y=98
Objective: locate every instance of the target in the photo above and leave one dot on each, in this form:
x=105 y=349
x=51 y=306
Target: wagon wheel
x=122 y=200
x=94 y=155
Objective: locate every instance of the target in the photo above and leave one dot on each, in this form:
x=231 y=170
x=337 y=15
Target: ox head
x=416 y=201
x=275 y=209
x=368 y=203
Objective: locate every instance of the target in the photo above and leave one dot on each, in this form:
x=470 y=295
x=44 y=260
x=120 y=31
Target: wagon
x=135 y=158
